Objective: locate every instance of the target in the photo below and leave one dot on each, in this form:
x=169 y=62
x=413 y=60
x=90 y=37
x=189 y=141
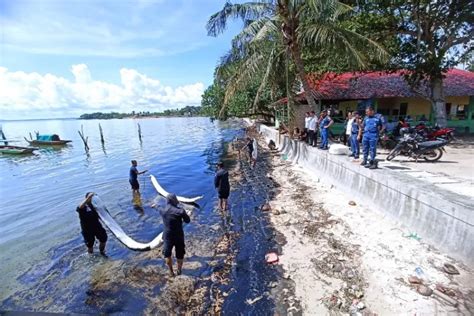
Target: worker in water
x=173 y=235
x=221 y=182
x=371 y=126
x=250 y=149
x=91 y=227
x=325 y=123
x=133 y=178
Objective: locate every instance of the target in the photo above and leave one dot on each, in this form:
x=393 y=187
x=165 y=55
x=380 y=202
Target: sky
x=63 y=58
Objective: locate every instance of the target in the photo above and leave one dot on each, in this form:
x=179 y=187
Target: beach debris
x=271 y=258
x=421 y=274
x=356 y=307
x=284 y=157
x=412 y=236
x=292 y=309
x=414 y=280
x=276 y=212
x=424 y=290
x=266 y=207
x=450 y=269
x=445 y=297
x=334 y=301
x=445 y=290
x=254 y=300
x=352 y=203
x=337 y=267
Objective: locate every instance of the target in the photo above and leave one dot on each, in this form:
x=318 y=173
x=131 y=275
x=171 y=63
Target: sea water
x=41 y=248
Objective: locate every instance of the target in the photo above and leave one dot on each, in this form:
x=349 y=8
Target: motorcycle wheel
x=433 y=155
x=394 y=153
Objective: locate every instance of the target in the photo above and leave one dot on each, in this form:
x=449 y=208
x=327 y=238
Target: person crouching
x=173 y=235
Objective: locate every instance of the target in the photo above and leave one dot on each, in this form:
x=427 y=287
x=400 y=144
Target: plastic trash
x=284 y=157
x=271 y=258
x=412 y=236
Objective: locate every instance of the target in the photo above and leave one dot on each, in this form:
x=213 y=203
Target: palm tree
x=299 y=23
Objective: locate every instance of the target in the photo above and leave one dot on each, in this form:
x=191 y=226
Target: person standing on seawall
x=133 y=177
x=173 y=235
x=371 y=127
x=90 y=225
x=353 y=140
x=348 y=126
x=221 y=183
x=307 y=118
x=312 y=128
x=326 y=122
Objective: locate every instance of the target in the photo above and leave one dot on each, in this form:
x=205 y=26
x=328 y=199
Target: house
x=391 y=96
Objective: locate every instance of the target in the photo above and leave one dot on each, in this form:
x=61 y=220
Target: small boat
x=16 y=150
x=48 y=140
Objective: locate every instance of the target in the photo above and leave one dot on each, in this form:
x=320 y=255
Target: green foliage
x=185 y=111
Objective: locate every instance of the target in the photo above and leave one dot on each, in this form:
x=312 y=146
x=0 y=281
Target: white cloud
x=34 y=95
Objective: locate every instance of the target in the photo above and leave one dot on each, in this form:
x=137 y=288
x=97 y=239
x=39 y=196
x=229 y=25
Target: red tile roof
x=357 y=86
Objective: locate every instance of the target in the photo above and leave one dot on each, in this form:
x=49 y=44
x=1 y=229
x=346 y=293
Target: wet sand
x=347 y=257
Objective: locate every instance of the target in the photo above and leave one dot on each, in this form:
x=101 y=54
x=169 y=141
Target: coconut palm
x=249 y=59
x=319 y=24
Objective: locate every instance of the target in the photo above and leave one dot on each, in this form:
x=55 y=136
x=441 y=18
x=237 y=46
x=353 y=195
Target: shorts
x=134 y=183
x=179 y=248
x=223 y=194
x=91 y=235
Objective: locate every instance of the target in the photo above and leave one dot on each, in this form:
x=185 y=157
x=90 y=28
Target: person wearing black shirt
x=91 y=227
x=133 y=177
x=221 y=183
x=173 y=235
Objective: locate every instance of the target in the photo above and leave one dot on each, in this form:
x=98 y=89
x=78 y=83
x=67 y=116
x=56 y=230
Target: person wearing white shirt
x=349 y=121
x=312 y=129
x=307 y=117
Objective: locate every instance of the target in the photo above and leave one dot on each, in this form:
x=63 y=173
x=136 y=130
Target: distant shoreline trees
x=186 y=111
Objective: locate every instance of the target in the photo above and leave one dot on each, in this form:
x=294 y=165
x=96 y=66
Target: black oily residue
x=252 y=278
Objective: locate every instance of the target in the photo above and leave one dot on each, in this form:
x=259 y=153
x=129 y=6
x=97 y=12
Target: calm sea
x=39 y=231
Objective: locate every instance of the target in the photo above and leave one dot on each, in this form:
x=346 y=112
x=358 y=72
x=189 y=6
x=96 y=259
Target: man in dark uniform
x=90 y=225
x=353 y=138
x=173 y=235
x=221 y=182
x=324 y=124
x=371 y=127
x=133 y=177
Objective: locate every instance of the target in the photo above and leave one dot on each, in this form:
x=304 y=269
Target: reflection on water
x=44 y=264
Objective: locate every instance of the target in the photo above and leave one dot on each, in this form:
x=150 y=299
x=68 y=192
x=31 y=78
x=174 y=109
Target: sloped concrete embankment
x=444 y=219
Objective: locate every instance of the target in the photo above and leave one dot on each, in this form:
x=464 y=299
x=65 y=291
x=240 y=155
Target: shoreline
x=341 y=255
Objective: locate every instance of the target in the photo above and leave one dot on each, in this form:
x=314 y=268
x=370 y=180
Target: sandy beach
x=345 y=257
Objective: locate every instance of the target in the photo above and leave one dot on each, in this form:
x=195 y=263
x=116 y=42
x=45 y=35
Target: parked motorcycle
x=435 y=132
x=388 y=140
x=413 y=146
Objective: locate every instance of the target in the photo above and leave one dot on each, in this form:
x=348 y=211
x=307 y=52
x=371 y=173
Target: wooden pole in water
x=84 y=139
x=3 y=136
x=101 y=135
x=139 y=132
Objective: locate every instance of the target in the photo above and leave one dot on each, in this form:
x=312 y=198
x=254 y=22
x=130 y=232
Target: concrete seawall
x=442 y=218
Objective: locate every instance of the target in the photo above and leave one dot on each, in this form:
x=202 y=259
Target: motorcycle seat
x=433 y=143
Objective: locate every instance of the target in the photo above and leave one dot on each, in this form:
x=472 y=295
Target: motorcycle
x=413 y=146
x=388 y=140
x=435 y=132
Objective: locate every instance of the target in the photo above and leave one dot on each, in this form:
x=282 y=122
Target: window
x=403 y=109
x=461 y=111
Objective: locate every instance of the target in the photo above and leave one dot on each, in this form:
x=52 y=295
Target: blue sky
x=63 y=58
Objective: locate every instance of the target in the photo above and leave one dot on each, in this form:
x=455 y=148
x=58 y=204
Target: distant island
x=186 y=111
